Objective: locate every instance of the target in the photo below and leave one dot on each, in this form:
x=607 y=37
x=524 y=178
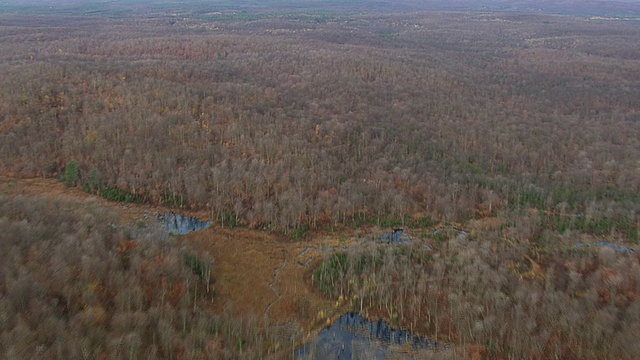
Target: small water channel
x=395 y=237
x=616 y=247
x=353 y=337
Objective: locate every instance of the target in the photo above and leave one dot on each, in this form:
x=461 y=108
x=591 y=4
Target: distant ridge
x=624 y=8
x=604 y=8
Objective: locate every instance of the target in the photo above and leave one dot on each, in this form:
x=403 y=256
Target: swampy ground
x=257 y=273
x=461 y=290
x=246 y=260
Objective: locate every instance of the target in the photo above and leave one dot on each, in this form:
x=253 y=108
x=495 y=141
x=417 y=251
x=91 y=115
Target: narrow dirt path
x=277 y=278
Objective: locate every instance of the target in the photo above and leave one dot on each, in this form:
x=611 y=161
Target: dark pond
x=353 y=337
x=181 y=225
x=397 y=236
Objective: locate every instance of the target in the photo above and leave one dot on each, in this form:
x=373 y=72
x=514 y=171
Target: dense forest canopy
x=309 y=119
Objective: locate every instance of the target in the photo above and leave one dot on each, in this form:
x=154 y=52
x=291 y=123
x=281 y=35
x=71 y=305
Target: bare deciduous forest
x=74 y=287
x=523 y=129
